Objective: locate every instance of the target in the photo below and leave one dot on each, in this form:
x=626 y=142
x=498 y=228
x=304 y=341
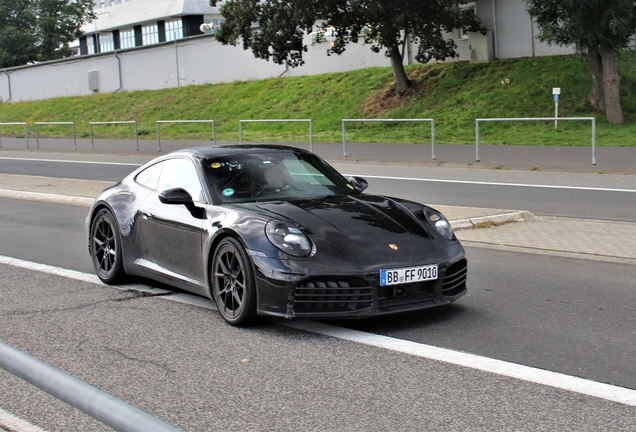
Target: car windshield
x=262 y=176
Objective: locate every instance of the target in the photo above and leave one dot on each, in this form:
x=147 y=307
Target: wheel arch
x=103 y=205
x=212 y=247
x=91 y=218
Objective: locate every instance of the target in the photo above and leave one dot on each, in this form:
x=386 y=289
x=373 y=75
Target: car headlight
x=288 y=239
x=440 y=223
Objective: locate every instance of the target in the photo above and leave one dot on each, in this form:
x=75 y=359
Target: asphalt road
x=561 y=314
x=186 y=366
x=584 y=195
x=84 y=170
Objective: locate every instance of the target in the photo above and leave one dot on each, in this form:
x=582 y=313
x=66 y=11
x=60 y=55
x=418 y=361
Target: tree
x=40 y=30
x=59 y=23
x=602 y=27
x=384 y=24
x=17 y=36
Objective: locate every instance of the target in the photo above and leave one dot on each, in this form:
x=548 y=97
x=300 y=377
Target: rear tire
x=233 y=286
x=105 y=248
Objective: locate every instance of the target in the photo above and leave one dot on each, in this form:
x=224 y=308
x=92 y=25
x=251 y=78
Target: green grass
x=453 y=94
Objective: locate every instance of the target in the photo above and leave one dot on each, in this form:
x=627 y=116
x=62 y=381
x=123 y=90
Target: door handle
x=146 y=215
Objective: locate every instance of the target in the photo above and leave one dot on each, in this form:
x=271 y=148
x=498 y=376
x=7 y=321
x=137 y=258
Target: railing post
x=344 y=138
x=593 y=140
x=592 y=119
x=136 y=135
x=433 y=139
x=310 y=121
x=344 y=130
x=476 y=140
x=37 y=131
x=311 y=135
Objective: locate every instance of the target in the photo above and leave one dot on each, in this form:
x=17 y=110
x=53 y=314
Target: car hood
x=362 y=226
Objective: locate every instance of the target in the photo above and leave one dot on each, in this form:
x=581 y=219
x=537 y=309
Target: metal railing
x=592 y=119
x=183 y=121
x=98 y=404
x=37 y=135
x=344 y=130
x=26 y=131
x=90 y=125
x=311 y=128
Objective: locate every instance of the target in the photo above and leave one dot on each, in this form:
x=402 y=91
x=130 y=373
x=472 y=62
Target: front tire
x=105 y=247
x=233 y=286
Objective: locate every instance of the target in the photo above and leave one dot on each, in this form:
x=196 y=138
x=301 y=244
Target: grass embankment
x=453 y=94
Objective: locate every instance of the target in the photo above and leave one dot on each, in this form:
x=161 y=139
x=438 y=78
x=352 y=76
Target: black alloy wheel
x=105 y=247
x=233 y=284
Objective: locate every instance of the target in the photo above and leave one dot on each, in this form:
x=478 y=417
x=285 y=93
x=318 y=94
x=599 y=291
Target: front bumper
x=341 y=294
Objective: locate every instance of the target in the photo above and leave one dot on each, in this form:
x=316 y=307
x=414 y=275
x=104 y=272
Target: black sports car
x=274 y=231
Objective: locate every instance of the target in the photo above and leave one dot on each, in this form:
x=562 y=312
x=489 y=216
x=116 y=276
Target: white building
x=154 y=44
x=123 y=24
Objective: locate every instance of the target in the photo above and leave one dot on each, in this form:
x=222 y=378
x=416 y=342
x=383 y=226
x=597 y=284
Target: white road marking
x=492 y=183
x=71 y=161
x=372 y=176
x=75 y=275
x=513 y=370
x=15 y=424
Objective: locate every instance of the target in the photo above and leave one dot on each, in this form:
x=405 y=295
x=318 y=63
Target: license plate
x=408 y=275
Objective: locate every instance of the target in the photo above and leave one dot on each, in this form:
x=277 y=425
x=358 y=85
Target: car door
x=172 y=233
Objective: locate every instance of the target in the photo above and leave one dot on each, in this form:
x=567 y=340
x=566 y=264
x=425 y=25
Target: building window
x=466 y=9
x=215 y=23
x=106 y=42
x=174 y=30
x=90 y=46
x=127 y=38
x=150 y=34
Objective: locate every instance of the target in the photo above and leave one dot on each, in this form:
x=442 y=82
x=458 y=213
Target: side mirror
x=176 y=196
x=359 y=183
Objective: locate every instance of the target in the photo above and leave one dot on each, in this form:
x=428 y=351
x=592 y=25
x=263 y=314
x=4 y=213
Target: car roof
x=231 y=150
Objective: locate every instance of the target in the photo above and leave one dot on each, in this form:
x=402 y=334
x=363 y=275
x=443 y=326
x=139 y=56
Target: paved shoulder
x=52 y=185
x=583 y=238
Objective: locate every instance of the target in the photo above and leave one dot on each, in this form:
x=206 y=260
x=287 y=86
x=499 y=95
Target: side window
x=180 y=173
x=150 y=176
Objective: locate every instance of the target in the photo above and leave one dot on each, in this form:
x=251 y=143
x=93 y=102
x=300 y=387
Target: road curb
x=457 y=224
x=517 y=216
x=47 y=198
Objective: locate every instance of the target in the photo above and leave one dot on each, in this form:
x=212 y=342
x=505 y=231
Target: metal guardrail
x=184 y=121
x=98 y=404
x=37 y=136
x=90 y=125
x=344 y=130
x=26 y=131
x=555 y=119
x=311 y=127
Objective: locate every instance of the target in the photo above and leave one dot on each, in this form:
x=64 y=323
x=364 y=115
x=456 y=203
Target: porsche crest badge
x=393 y=246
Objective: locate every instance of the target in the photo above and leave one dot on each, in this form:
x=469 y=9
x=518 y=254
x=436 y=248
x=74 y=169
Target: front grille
x=454 y=281
x=403 y=294
x=332 y=296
